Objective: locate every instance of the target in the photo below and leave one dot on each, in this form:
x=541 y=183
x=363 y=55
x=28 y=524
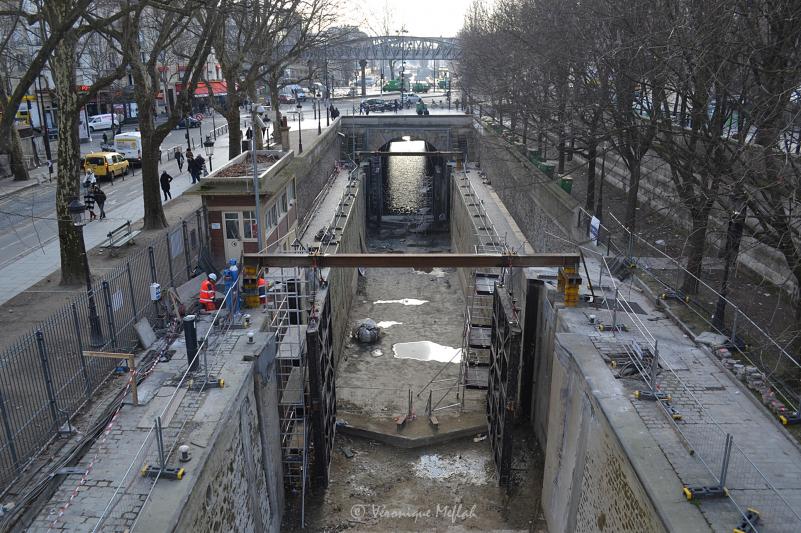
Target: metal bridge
x=389 y=48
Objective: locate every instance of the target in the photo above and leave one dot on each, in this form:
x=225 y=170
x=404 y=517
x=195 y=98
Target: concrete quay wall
x=234 y=481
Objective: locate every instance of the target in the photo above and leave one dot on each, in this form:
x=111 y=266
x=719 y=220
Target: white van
x=130 y=146
x=102 y=122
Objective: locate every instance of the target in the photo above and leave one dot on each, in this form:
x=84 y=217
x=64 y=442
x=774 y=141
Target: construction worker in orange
x=263 y=286
x=208 y=290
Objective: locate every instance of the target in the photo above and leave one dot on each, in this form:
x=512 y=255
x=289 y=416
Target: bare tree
x=184 y=29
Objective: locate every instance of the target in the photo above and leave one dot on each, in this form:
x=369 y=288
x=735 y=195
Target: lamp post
x=319 y=117
x=186 y=126
x=208 y=147
x=401 y=32
x=77 y=210
x=299 y=107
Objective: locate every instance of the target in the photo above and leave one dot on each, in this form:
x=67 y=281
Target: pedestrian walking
x=100 y=198
x=105 y=138
x=189 y=157
x=191 y=166
x=165 y=180
x=179 y=158
x=89 y=202
x=249 y=133
x=89 y=179
x=201 y=166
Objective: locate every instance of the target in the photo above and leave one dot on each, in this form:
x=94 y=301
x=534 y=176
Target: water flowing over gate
x=502 y=385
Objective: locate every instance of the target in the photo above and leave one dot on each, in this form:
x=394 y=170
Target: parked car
x=192 y=123
x=284 y=98
x=100 y=122
x=377 y=104
x=106 y=164
x=411 y=98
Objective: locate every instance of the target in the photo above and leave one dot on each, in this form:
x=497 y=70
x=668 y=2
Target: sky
x=422 y=18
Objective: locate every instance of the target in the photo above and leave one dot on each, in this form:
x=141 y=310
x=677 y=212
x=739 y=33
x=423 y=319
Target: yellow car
x=106 y=164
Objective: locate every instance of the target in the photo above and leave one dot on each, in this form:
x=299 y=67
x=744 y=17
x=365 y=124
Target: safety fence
x=758 y=357
x=729 y=471
x=45 y=378
x=160 y=447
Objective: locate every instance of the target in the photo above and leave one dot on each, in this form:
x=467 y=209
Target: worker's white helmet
x=213 y=276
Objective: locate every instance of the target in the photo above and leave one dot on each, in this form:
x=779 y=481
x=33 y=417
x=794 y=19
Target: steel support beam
x=411 y=260
x=414 y=154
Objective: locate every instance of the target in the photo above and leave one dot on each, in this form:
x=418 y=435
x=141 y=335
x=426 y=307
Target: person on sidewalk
x=191 y=167
x=100 y=198
x=200 y=165
x=89 y=202
x=249 y=133
x=165 y=180
x=89 y=179
x=179 y=158
x=208 y=291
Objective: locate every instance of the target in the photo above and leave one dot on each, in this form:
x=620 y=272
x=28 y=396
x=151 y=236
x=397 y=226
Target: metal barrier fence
x=748 y=342
x=727 y=465
x=45 y=378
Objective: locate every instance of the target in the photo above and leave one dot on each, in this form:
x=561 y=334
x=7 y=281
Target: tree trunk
x=151 y=192
x=234 y=125
x=273 y=85
x=630 y=219
x=10 y=142
x=592 y=154
x=700 y=223
x=734 y=235
x=67 y=180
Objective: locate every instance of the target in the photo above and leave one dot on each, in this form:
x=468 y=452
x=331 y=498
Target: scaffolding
x=287 y=304
x=480 y=289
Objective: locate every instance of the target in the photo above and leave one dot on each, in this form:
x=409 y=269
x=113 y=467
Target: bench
x=120 y=236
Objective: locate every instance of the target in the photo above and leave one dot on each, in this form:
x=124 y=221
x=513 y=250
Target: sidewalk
x=32 y=268
x=9 y=186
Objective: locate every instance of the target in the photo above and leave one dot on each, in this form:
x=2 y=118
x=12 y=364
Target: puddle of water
x=388 y=323
x=427 y=351
x=436 y=272
x=376 y=353
x=404 y=301
x=468 y=468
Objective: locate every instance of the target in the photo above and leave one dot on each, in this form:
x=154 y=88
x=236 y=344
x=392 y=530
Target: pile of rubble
x=753 y=378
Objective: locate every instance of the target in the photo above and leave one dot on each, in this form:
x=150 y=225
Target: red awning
x=219 y=88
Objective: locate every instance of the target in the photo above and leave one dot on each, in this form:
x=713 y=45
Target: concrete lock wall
x=463 y=234
x=543 y=211
x=234 y=480
x=603 y=469
x=343 y=281
x=313 y=167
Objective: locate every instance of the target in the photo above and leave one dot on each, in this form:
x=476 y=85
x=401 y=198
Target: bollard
x=190 y=335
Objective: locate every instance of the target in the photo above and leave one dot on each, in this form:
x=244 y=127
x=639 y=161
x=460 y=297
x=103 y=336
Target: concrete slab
x=145 y=333
x=417 y=433
x=157 y=405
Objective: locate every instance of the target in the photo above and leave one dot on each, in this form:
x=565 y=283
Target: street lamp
x=299 y=107
x=402 y=31
x=77 y=211
x=319 y=117
x=208 y=147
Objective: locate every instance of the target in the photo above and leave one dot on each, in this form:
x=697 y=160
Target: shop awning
x=219 y=88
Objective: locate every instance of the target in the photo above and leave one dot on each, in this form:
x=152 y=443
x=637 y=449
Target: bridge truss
x=389 y=48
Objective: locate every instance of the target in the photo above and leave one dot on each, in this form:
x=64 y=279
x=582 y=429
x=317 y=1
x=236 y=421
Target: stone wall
x=537 y=203
x=234 y=481
x=343 y=281
x=603 y=470
x=314 y=166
